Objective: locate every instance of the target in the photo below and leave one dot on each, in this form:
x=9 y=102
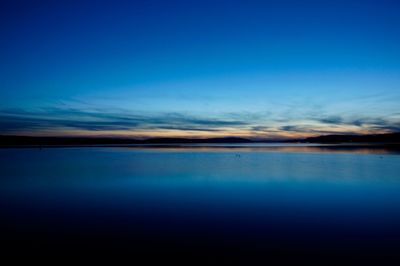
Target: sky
x=259 y=69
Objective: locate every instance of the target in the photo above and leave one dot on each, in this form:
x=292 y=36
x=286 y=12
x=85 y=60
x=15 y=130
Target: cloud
x=18 y=120
x=339 y=124
x=261 y=128
x=292 y=128
x=303 y=129
x=331 y=120
x=92 y=120
x=388 y=127
x=372 y=123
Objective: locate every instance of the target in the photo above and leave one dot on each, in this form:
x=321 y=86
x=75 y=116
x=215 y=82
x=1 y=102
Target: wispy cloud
x=377 y=123
x=331 y=120
x=17 y=120
x=113 y=121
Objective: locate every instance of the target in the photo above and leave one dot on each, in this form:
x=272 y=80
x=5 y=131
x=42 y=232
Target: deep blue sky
x=148 y=68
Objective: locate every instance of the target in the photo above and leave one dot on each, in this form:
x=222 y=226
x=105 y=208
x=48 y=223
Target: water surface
x=246 y=201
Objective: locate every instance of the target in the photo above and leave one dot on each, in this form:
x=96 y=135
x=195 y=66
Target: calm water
x=211 y=201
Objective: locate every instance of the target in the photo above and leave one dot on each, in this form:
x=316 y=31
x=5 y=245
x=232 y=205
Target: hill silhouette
x=374 y=138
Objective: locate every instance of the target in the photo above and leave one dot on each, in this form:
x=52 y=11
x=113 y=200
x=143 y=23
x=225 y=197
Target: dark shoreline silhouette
x=7 y=140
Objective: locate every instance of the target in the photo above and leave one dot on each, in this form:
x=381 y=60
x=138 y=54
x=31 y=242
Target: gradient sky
x=262 y=69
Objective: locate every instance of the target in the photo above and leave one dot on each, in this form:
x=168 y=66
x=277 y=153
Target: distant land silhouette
x=7 y=140
x=375 y=138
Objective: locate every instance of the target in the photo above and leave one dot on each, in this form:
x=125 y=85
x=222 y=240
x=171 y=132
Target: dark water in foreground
x=204 y=204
